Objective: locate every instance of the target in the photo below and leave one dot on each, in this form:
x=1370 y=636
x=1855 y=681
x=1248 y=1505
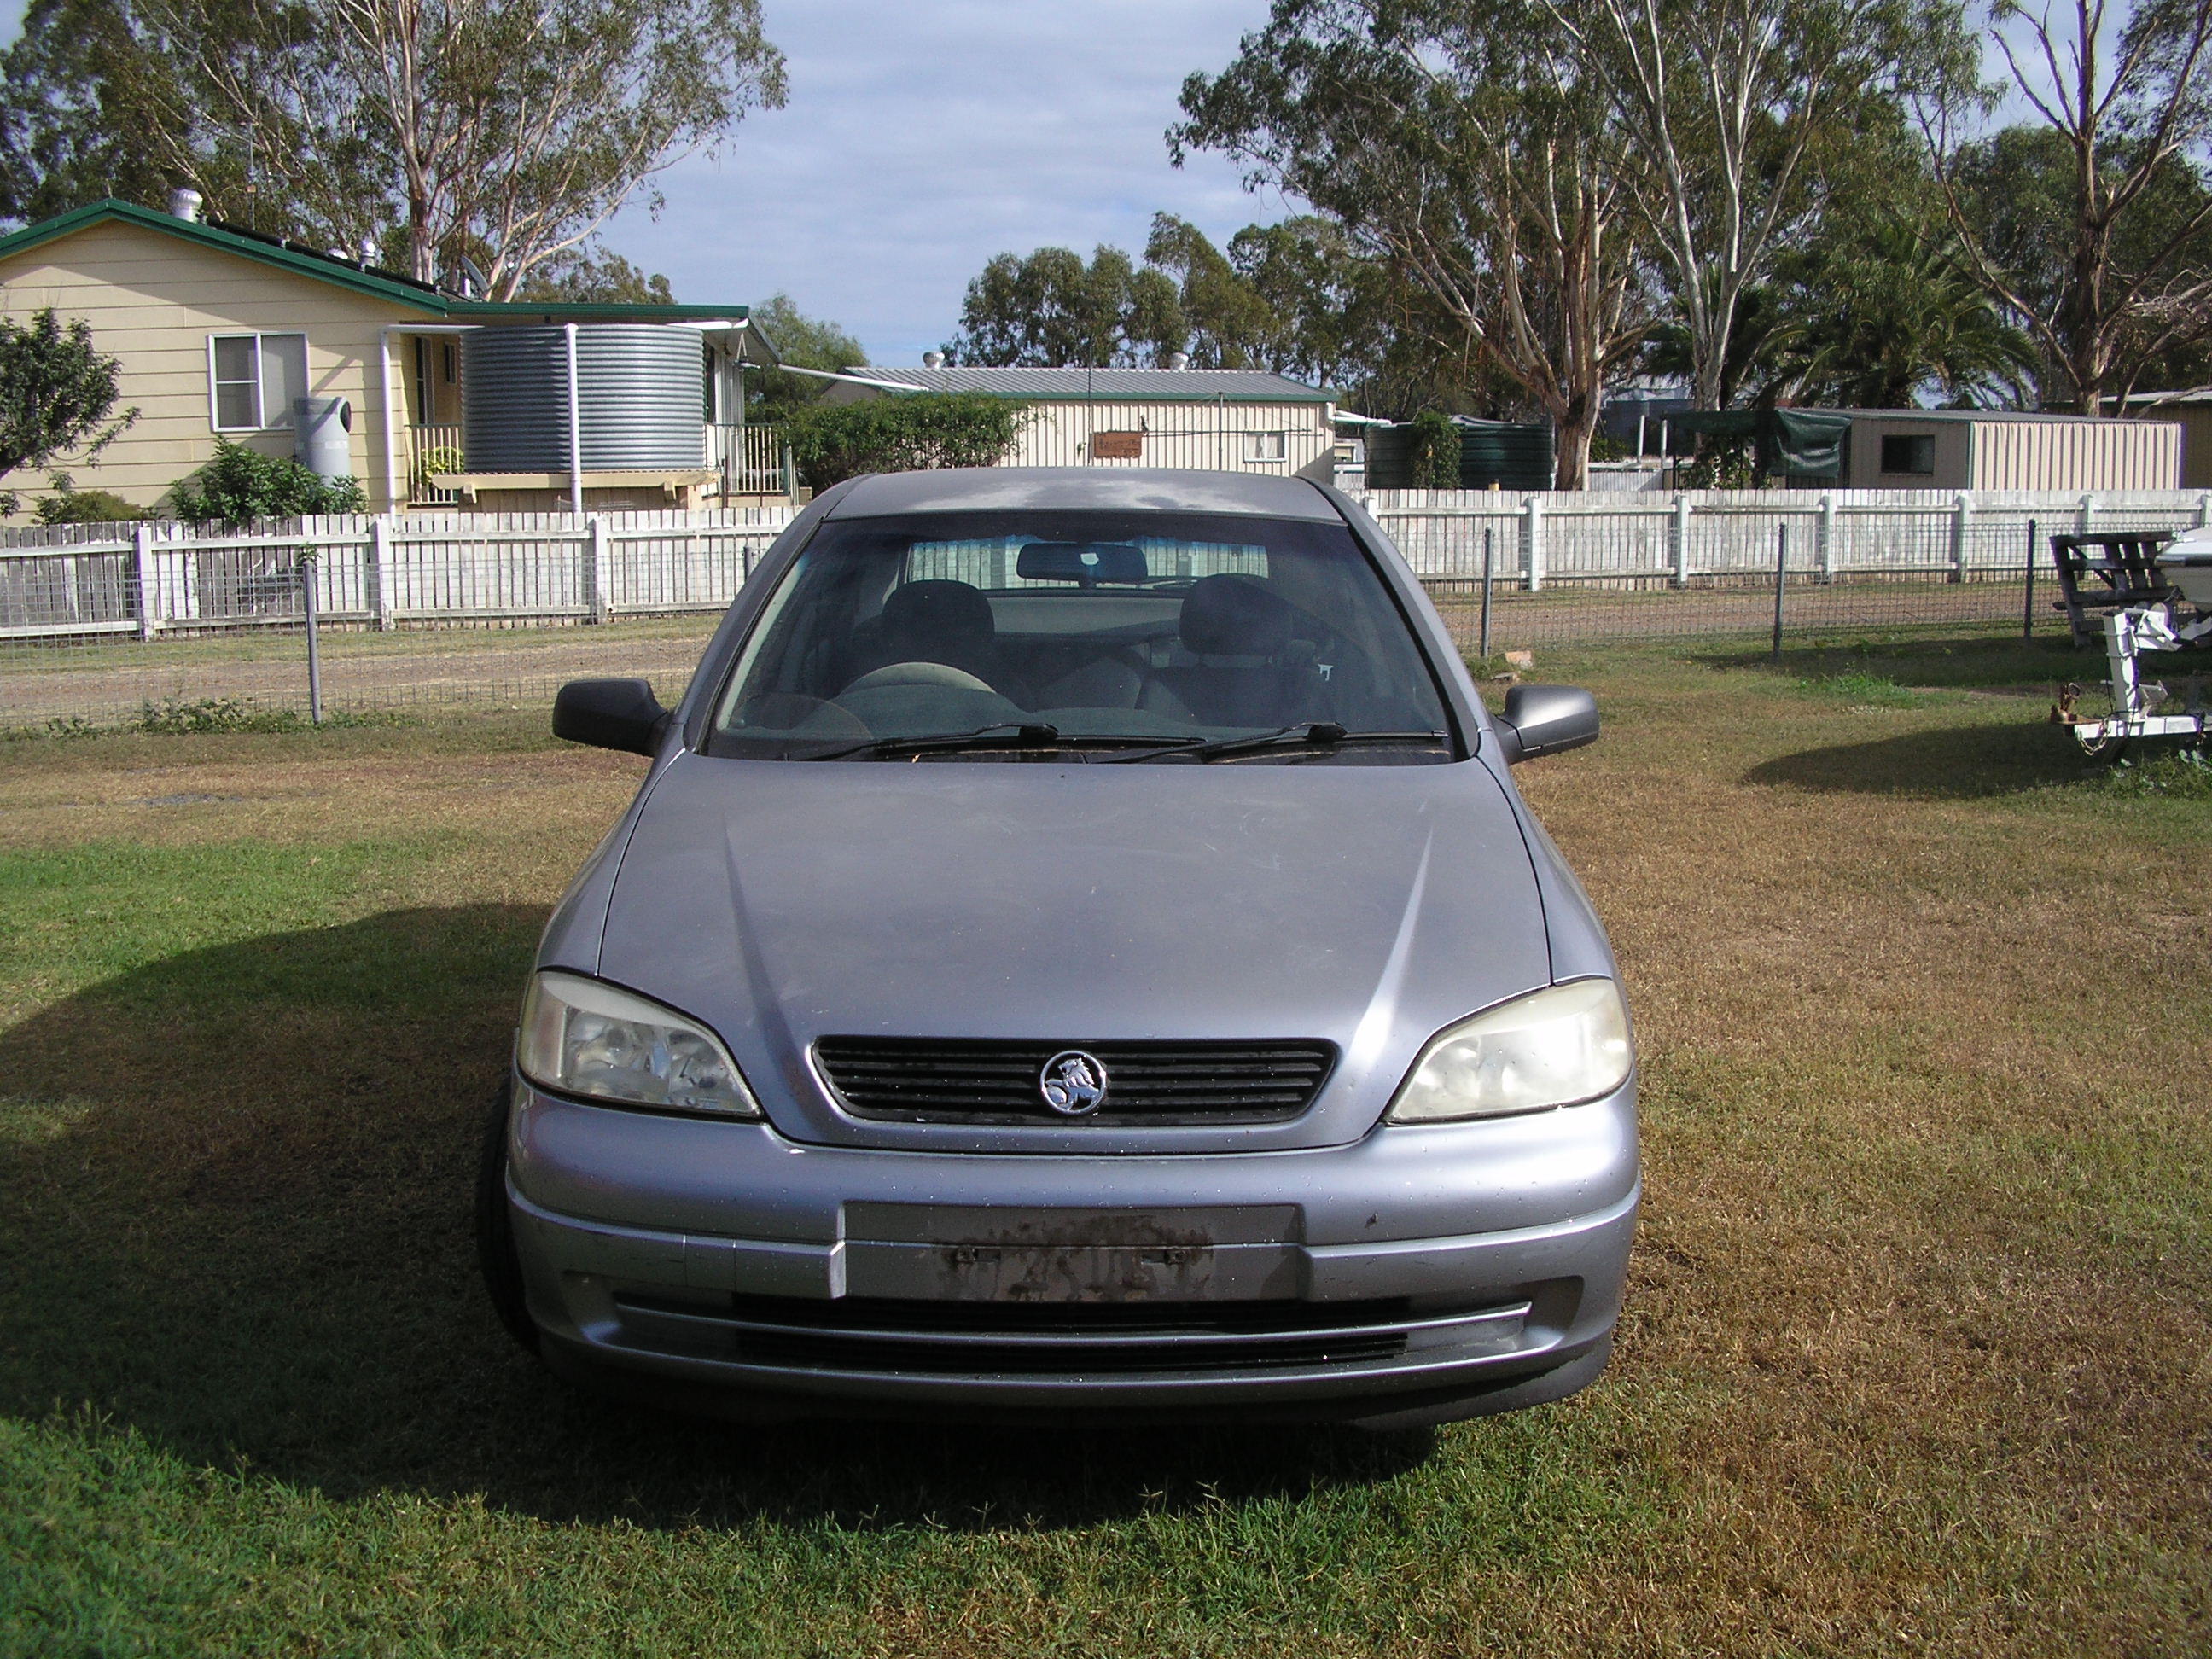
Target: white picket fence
x=386 y=571
x=417 y=569
x=1586 y=537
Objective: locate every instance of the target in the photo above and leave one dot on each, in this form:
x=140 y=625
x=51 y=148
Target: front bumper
x=1417 y=1273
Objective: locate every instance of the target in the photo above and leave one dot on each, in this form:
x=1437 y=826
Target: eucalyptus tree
x=1461 y=141
x=1293 y=297
x=503 y=132
x=2090 y=222
x=95 y=100
x=1227 y=322
x=1739 y=110
x=1051 y=310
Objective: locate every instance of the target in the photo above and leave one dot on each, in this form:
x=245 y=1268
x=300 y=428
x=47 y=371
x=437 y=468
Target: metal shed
x=2192 y=411
x=1212 y=420
x=1991 y=449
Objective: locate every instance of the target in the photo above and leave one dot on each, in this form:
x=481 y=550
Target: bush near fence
x=95 y=619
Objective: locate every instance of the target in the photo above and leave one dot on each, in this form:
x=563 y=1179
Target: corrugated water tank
x=637 y=395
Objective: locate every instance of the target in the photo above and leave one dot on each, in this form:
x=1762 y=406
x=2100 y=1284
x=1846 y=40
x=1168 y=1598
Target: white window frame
x=1256 y=444
x=262 y=421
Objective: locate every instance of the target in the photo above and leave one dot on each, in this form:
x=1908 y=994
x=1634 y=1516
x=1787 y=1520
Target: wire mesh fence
x=107 y=625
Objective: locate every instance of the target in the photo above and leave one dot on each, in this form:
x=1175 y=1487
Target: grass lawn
x=1916 y=1354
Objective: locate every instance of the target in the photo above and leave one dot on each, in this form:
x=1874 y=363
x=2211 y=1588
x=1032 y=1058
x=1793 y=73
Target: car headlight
x=582 y=1037
x=1553 y=1048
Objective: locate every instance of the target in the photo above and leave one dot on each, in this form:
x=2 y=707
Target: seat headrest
x=1233 y=617
x=941 y=614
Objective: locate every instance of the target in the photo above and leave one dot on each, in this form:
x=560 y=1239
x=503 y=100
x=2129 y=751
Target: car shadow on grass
x=234 y=1202
x=1943 y=762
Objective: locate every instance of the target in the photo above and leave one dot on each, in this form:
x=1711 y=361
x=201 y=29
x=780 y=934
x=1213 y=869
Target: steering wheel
x=939 y=674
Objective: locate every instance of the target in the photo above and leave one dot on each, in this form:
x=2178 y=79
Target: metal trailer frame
x=2136 y=703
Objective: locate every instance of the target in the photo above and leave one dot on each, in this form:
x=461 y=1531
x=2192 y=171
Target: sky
x=922 y=136
x=921 y=139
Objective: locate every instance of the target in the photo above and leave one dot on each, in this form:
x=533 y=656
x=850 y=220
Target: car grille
x=952 y=1080
x=883 y=1334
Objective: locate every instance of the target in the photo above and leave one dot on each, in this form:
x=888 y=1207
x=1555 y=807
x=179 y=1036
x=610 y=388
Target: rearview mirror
x=620 y=715
x=1543 y=720
x=1081 y=562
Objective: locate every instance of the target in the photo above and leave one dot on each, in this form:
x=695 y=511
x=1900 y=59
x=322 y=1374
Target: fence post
x=1532 y=543
x=595 y=568
x=1488 y=532
x=2027 y=604
x=379 y=573
x=315 y=648
x=1827 y=535
x=142 y=573
x=1960 y=508
x=1678 y=536
x=1781 y=573
x=2203 y=511
x=2087 y=516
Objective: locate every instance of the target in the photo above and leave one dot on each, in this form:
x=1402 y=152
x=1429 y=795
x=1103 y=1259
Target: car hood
x=1363 y=905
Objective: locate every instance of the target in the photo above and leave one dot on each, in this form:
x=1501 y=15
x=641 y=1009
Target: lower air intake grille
x=1090 y=1339
x=952 y=1080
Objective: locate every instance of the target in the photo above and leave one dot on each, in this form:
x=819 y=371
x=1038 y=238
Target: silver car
x=1077 y=951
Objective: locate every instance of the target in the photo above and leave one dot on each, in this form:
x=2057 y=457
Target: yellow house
x=218 y=330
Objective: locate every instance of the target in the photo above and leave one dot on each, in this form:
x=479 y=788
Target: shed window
x=1909 y=452
x=252 y=378
x=1267 y=445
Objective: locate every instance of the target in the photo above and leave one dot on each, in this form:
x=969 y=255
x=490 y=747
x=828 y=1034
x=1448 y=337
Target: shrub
x=902 y=432
x=443 y=459
x=174 y=717
x=1434 y=462
x=87 y=507
x=241 y=484
x=1722 y=462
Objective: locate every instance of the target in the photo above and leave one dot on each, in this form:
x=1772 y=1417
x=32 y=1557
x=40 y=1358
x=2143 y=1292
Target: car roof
x=975 y=489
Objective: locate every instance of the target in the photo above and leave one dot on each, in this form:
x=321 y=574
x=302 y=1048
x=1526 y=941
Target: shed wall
x=1203 y=436
x=2075 y=455
x=152 y=301
x=1953 y=453
x=2195 y=421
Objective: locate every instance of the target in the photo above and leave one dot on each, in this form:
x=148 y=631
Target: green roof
x=388 y=285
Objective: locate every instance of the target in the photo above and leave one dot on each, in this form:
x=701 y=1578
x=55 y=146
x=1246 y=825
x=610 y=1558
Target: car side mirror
x=620 y=715
x=1543 y=720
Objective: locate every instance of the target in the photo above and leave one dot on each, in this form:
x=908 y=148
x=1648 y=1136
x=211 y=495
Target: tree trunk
x=1571 y=436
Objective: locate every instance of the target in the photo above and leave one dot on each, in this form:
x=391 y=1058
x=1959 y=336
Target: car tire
x=495 y=1227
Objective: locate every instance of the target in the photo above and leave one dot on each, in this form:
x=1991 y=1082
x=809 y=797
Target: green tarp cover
x=1800 y=443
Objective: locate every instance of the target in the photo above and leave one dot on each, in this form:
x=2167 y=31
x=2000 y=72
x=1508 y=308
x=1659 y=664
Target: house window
x=1910 y=453
x=1267 y=445
x=252 y=378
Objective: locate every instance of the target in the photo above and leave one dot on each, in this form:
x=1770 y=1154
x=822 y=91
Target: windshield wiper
x=1004 y=734
x=1317 y=734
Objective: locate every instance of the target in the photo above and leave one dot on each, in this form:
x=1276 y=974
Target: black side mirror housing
x=620 y=715
x=1543 y=720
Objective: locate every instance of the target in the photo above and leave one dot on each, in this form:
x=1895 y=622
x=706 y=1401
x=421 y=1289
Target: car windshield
x=1127 y=635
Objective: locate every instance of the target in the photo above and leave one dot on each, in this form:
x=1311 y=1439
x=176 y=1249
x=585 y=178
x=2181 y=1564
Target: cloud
x=921 y=139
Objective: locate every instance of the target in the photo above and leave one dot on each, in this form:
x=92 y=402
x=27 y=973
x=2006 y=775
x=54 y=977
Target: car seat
x=940 y=621
x=1238 y=630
